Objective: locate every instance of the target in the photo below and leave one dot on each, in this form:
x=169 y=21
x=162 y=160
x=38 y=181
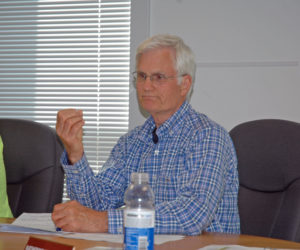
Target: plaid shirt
x=192 y=171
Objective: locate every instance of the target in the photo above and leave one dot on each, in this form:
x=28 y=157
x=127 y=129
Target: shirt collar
x=168 y=128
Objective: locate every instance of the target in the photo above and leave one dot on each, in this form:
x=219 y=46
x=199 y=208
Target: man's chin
x=148 y=106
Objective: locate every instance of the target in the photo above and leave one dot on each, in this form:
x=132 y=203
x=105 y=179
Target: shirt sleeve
x=201 y=193
x=80 y=181
x=102 y=191
x=115 y=221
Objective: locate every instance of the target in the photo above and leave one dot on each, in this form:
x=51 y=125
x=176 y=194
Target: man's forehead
x=157 y=60
x=159 y=50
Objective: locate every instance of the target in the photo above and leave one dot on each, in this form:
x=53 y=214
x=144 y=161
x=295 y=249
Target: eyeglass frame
x=153 y=81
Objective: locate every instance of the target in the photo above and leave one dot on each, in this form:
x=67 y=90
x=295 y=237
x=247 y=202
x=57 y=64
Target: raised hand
x=69 y=125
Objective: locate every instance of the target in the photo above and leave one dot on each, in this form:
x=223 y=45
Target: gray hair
x=184 y=57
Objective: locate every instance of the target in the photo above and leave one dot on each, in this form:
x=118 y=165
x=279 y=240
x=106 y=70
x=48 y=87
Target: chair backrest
x=32 y=161
x=268 y=153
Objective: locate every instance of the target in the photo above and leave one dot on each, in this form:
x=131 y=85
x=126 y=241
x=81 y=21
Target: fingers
x=69 y=128
x=64 y=216
x=57 y=213
x=73 y=217
x=69 y=122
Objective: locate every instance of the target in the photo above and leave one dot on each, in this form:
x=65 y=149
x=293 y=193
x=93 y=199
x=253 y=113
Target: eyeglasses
x=158 y=78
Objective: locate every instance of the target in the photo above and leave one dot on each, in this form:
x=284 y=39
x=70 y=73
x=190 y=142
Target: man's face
x=163 y=99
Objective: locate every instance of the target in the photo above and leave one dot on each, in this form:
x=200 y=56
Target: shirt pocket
x=170 y=186
x=167 y=187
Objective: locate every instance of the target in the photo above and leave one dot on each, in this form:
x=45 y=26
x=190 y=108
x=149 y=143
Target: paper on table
x=41 y=223
x=18 y=229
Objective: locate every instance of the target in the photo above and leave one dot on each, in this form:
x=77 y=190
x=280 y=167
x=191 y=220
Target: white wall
x=247 y=54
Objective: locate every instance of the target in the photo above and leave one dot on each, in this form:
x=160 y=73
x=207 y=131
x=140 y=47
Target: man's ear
x=186 y=84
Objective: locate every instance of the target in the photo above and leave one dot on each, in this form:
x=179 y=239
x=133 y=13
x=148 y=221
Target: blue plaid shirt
x=192 y=171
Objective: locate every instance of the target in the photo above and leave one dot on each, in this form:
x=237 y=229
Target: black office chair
x=34 y=175
x=268 y=153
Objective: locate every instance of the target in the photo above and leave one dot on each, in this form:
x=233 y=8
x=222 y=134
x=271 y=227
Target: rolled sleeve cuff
x=115 y=221
x=79 y=166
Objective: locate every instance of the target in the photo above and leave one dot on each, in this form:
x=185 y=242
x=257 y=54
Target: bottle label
x=139 y=229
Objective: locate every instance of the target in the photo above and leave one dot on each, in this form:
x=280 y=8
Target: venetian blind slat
x=67 y=54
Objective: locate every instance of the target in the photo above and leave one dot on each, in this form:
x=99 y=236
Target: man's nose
x=148 y=83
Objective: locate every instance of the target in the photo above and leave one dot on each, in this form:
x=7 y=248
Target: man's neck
x=160 y=118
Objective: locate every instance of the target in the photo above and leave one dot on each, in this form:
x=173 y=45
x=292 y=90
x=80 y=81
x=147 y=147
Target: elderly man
x=190 y=159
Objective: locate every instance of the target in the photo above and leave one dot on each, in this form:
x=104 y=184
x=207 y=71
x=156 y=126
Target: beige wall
x=247 y=54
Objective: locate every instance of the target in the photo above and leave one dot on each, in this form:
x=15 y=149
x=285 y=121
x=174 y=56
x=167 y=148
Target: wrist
x=104 y=222
x=73 y=158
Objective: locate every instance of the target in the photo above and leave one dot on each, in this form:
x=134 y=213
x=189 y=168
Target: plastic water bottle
x=139 y=214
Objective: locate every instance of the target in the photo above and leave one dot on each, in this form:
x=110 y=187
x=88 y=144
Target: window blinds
x=67 y=54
